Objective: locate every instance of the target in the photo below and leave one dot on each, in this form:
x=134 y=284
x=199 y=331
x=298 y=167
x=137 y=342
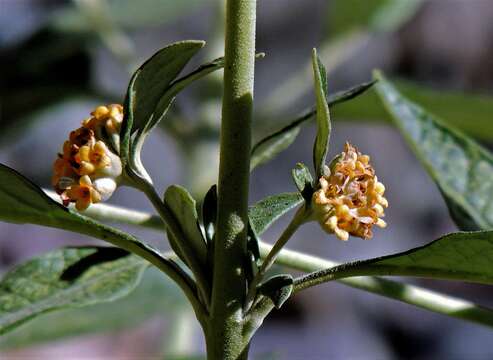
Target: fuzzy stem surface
x=224 y=336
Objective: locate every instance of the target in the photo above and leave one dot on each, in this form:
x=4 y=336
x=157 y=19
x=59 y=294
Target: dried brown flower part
x=350 y=199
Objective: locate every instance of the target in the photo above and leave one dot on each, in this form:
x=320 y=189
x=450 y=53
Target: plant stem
x=224 y=336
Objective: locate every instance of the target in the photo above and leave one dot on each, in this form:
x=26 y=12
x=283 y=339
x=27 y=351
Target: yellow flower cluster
x=350 y=199
x=87 y=171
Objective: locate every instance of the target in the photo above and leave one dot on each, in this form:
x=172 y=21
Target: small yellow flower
x=83 y=193
x=91 y=157
x=350 y=199
x=87 y=171
x=110 y=117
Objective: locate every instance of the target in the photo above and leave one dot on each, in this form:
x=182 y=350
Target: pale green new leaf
x=464 y=256
x=321 y=145
x=268 y=210
x=53 y=281
x=462 y=169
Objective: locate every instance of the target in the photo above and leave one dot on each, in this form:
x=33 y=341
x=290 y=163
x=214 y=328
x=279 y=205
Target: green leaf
x=150 y=82
x=273 y=144
x=183 y=207
x=303 y=180
x=278 y=289
x=21 y=201
x=269 y=147
x=452 y=107
x=464 y=256
x=156 y=74
x=268 y=210
x=462 y=169
x=42 y=284
x=321 y=145
x=154 y=296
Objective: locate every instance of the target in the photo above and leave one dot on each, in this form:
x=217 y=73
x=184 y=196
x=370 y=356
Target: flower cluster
x=350 y=199
x=88 y=169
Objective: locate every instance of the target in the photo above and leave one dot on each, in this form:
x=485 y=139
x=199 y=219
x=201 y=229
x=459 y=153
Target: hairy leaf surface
x=42 y=284
x=268 y=210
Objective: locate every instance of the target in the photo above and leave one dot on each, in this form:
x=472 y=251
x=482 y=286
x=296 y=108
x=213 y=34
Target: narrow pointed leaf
x=149 y=83
x=321 y=145
x=157 y=73
x=276 y=143
x=41 y=284
x=268 y=210
x=464 y=256
x=462 y=169
x=273 y=144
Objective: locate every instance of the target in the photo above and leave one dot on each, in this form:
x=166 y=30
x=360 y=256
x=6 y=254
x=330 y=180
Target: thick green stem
x=224 y=335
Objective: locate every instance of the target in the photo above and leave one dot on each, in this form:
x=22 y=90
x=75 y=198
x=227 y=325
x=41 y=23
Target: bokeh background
x=58 y=59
